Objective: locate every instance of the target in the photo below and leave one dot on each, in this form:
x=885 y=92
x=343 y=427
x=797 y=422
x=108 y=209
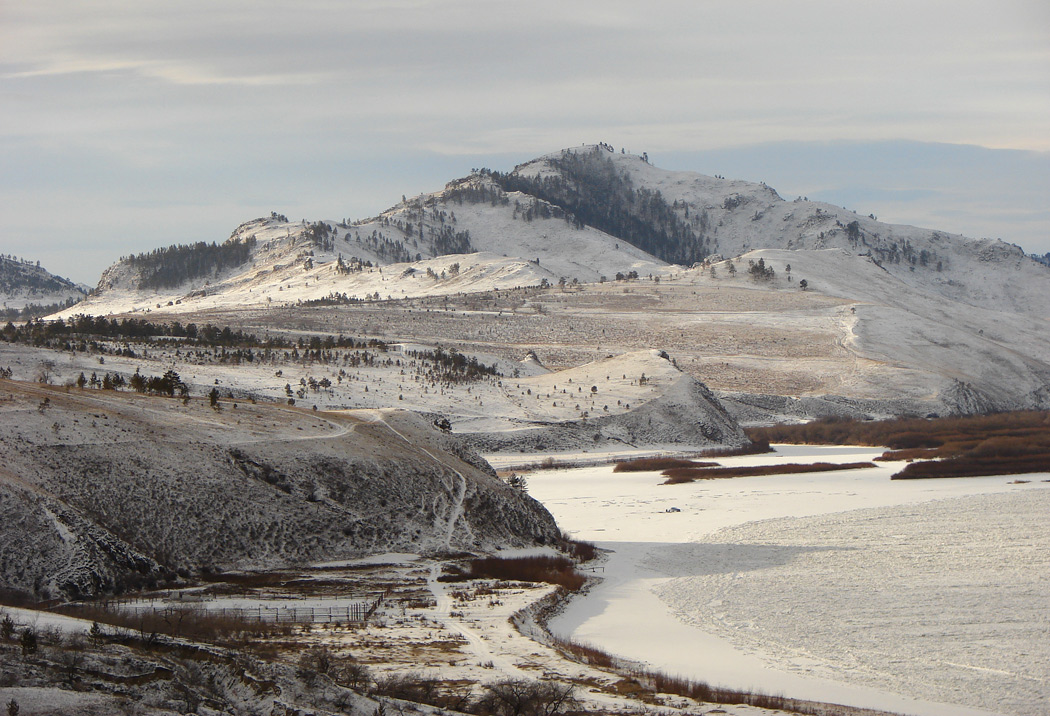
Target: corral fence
x=354 y=612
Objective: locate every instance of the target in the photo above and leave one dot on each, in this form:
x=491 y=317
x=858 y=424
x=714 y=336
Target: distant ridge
x=887 y=319
x=24 y=283
x=580 y=214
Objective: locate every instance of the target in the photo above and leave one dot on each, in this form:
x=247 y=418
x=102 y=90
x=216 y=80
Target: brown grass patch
x=639 y=681
x=544 y=569
x=189 y=623
x=974 y=467
x=969 y=446
x=585 y=653
x=579 y=550
x=656 y=464
x=907 y=433
x=678 y=476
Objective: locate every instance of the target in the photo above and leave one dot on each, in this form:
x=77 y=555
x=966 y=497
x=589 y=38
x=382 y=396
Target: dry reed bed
x=656 y=464
x=184 y=623
x=641 y=680
x=677 y=476
x=967 y=446
x=560 y=571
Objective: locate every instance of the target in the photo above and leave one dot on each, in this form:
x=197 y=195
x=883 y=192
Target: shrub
x=544 y=569
x=579 y=550
x=521 y=697
x=681 y=475
x=28 y=641
x=655 y=464
x=7 y=628
x=969 y=446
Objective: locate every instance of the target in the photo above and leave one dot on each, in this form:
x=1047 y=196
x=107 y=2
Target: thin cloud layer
x=134 y=88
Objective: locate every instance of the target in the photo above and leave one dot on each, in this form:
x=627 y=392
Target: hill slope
x=578 y=214
x=23 y=283
x=927 y=321
x=684 y=215
x=104 y=491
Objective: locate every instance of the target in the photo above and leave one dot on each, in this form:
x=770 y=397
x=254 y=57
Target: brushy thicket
x=680 y=475
x=654 y=464
x=967 y=446
x=579 y=550
x=545 y=569
x=659 y=682
x=187 y=623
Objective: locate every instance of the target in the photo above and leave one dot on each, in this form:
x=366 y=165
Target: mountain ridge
x=956 y=321
x=487 y=213
x=25 y=284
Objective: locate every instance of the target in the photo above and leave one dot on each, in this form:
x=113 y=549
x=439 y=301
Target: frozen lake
x=922 y=597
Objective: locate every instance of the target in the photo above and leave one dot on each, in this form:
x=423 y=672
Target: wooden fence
x=354 y=612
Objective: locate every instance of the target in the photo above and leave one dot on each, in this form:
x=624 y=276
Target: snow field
x=457 y=634
x=394 y=380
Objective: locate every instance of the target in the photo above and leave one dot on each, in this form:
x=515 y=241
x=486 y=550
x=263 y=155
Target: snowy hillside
x=590 y=252
x=728 y=218
x=470 y=237
x=655 y=404
x=104 y=490
x=576 y=215
x=909 y=344
x=24 y=283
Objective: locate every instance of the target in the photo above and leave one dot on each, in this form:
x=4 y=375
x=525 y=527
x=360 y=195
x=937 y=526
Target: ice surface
x=683 y=555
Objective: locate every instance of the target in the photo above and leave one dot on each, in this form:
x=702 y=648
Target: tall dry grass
x=544 y=569
x=189 y=623
x=967 y=446
x=656 y=464
x=681 y=475
x=660 y=682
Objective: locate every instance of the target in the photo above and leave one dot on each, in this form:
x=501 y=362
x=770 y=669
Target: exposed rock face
x=103 y=491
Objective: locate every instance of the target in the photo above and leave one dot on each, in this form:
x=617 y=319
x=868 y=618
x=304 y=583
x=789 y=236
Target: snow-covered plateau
x=919 y=597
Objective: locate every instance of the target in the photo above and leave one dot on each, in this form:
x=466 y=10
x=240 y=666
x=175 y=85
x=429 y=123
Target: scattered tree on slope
x=170 y=267
x=595 y=193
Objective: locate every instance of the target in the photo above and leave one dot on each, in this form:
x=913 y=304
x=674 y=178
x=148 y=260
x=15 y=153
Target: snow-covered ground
x=923 y=597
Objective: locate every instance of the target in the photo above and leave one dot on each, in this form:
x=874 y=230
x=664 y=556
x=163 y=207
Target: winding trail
x=458 y=492
x=475 y=642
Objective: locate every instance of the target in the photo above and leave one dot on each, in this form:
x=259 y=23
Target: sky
x=125 y=126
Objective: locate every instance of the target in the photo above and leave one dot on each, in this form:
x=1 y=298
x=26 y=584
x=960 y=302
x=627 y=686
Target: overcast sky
x=129 y=125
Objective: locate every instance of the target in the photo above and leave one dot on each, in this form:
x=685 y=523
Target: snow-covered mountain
x=580 y=214
x=933 y=321
x=696 y=216
x=25 y=283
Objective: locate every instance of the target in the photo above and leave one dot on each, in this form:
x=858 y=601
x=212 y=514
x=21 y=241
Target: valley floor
x=821 y=586
x=814 y=586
